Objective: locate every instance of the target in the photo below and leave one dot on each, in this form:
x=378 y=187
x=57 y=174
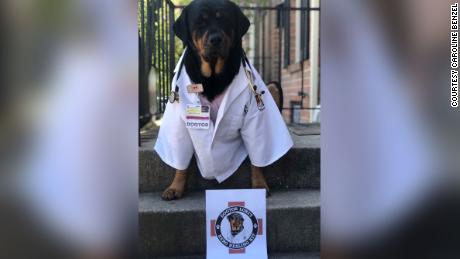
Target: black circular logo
x=236 y=227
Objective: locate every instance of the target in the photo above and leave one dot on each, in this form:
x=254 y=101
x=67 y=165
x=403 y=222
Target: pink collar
x=214 y=105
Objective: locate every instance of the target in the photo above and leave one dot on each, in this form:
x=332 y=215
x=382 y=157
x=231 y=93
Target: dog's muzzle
x=214 y=47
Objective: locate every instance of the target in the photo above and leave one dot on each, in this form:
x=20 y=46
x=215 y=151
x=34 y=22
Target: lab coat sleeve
x=174 y=145
x=264 y=133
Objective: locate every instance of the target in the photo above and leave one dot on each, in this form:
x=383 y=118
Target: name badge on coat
x=195 y=88
x=197 y=116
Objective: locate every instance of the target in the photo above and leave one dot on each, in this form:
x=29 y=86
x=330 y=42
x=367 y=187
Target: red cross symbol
x=259 y=231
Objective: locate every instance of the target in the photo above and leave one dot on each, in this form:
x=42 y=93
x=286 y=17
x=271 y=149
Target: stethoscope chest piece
x=174 y=96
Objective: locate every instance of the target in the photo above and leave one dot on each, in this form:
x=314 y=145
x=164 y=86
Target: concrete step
x=294 y=255
x=299 y=168
x=178 y=227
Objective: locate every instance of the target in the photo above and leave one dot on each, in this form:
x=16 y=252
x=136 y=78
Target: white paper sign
x=236 y=224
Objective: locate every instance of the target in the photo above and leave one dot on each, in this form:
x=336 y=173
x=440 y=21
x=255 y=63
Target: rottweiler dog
x=211 y=31
x=236 y=223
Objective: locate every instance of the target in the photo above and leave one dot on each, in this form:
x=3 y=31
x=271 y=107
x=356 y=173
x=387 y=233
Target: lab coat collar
x=236 y=87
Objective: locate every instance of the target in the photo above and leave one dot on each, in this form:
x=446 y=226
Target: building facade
x=283 y=43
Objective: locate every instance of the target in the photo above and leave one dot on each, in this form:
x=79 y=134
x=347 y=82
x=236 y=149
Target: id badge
x=197 y=116
x=195 y=88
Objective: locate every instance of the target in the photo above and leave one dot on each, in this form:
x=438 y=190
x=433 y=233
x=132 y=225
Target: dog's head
x=236 y=223
x=212 y=28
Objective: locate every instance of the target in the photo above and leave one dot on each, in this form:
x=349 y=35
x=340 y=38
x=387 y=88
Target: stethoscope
x=174 y=96
x=252 y=86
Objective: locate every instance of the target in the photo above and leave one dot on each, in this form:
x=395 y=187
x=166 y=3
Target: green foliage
x=181 y=2
x=251 y=2
x=240 y=2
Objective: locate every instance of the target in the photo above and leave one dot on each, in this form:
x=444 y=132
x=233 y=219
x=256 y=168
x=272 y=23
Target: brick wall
x=291 y=76
x=275 y=62
x=291 y=79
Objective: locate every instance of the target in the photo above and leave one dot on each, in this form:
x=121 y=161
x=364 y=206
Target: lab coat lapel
x=190 y=98
x=234 y=90
x=238 y=85
x=183 y=81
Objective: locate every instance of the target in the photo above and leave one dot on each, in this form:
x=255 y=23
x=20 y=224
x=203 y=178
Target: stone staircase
x=176 y=229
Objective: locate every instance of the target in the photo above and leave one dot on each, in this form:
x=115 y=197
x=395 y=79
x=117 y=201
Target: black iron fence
x=268 y=44
x=157 y=49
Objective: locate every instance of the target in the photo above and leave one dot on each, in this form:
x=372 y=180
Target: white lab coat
x=221 y=149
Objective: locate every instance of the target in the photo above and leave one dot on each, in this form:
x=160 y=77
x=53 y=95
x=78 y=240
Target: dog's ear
x=242 y=22
x=180 y=26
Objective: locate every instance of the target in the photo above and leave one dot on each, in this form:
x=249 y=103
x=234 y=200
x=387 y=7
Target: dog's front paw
x=172 y=193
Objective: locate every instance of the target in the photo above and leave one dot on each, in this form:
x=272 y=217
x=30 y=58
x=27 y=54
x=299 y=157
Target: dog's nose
x=215 y=39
